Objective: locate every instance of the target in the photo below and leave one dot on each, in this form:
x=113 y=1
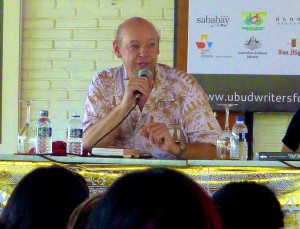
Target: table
x=99 y=173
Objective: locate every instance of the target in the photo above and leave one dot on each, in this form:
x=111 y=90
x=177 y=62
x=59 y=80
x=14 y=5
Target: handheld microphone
x=145 y=73
x=142 y=73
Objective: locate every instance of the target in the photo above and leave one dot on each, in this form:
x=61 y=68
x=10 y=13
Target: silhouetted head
x=248 y=205
x=44 y=198
x=155 y=198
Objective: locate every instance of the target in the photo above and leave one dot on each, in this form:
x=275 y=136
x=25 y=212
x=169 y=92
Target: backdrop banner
x=246 y=53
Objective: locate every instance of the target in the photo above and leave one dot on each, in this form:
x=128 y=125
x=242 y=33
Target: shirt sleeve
x=198 y=118
x=292 y=136
x=97 y=104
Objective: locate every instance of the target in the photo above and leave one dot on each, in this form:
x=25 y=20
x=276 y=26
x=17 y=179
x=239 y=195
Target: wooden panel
x=181 y=31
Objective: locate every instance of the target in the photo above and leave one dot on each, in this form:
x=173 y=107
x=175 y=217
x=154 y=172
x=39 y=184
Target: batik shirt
x=176 y=100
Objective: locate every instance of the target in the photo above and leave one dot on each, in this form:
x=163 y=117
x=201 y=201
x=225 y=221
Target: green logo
x=254 y=20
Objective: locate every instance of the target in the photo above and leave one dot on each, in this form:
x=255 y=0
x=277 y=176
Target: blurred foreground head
x=248 y=205
x=44 y=198
x=152 y=199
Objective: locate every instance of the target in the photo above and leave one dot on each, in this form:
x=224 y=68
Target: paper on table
x=118 y=152
x=108 y=152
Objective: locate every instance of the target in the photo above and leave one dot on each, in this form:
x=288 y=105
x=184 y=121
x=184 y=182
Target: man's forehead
x=138 y=30
x=140 y=40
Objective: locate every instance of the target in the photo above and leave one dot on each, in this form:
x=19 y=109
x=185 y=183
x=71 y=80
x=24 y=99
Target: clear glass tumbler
x=27 y=134
x=226 y=137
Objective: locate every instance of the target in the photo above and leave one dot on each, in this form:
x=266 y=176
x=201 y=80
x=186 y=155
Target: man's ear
x=116 y=48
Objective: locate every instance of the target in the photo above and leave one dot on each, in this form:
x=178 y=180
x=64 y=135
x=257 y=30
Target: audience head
x=248 y=205
x=79 y=217
x=44 y=198
x=153 y=199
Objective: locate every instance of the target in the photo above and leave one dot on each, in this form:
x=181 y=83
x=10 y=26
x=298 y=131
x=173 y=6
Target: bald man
x=172 y=119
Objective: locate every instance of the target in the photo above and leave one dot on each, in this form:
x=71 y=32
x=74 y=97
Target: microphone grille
x=145 y=72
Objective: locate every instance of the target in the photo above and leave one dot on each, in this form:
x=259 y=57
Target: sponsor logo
x=252 y=43
x=287 y=21
x=253 y=21
x=214 y=21
x=204 y=45
x=294 y=43
x=291 y=50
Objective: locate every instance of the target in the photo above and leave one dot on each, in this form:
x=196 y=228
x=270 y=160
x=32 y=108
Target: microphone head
x=145 y=72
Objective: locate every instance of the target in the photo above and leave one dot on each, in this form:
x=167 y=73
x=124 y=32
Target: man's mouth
x=143 y=64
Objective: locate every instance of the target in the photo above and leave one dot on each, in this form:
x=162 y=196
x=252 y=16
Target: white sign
x=244 y=37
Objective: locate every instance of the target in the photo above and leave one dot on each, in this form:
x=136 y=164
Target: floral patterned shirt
x=176 y=100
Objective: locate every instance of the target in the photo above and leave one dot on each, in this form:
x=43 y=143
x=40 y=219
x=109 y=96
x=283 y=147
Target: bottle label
x=242 y=137
x=75 y=133
x=44 y=132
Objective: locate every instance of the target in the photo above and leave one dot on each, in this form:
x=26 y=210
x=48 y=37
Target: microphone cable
x=137 y=100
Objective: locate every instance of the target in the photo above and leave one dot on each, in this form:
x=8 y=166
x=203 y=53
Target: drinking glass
x=27 y=134
x=226 y=136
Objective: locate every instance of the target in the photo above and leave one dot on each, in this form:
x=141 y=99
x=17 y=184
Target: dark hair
x=2 y=225
x=44 y=198
x=248 y=205
x=155 y=198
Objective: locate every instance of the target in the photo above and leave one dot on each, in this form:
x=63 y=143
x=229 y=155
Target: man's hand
x=135 y=84
x=159 y=135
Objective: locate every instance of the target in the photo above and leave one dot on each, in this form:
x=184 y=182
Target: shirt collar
x=162 y=88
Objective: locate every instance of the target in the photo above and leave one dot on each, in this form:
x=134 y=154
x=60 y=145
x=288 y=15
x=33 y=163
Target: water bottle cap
x=75 y=115
x=240 y=118
x=44 y=113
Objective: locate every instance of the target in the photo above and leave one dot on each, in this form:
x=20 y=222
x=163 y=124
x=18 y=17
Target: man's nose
x=144 y=51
